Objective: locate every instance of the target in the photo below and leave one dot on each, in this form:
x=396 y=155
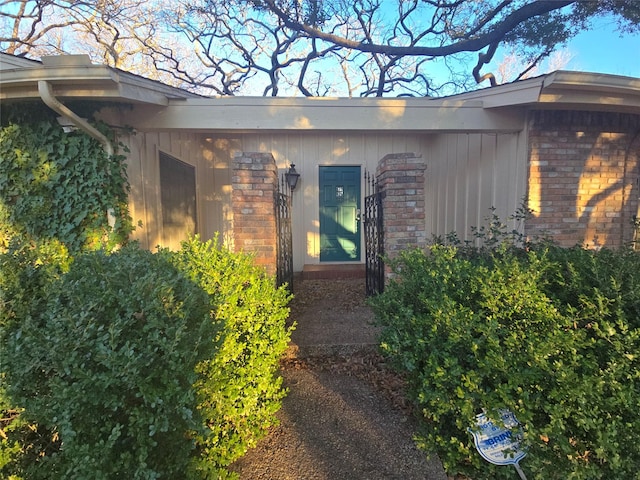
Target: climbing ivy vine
x=57 y=185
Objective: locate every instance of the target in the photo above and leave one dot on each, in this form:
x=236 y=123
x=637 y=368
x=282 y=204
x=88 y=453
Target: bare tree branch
x=305 y=47
x=496 y=34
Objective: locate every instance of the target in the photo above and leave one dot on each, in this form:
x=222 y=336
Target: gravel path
x=345 y=416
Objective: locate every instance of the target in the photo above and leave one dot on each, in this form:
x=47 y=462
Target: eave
x=565 y=90
x=577 y=90
x=247 y=114
x=72 y=77
x=157 y=106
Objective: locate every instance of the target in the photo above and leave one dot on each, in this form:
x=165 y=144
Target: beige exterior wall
x=212 y=156
x=468 y=174
x=308 y=151
x=213 y=183
x=465 y=175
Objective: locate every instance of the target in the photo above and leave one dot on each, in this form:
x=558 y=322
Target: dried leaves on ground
x=370 y=367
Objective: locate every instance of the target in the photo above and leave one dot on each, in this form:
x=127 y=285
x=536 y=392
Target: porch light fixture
x=292 y=177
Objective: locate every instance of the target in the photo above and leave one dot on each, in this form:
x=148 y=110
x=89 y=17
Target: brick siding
x=583 y=177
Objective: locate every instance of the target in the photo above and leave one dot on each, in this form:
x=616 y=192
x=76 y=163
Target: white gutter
x=46 y=93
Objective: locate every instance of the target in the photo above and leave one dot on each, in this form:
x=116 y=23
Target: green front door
x=339 y=214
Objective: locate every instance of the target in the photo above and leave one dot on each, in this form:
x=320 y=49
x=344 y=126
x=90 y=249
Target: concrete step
x=333 y=271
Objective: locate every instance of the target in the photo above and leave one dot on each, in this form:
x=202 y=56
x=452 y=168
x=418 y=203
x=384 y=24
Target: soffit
x=74 y=77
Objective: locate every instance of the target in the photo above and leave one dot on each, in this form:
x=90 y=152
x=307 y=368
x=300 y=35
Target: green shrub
x=239 y=390
x=10 y=445
x=548 y=333
x=137 y=365
x=108 y=364
x=85 y=365
x=55 y=192
x=22 y=444
x=27 y=272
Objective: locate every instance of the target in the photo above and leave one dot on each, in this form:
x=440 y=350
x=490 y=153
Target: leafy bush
x=135 y=364
x=27 y=272
x=108 y=365
x=239 y=390
x=55 y=190
x=91 y=375
x=551 y=334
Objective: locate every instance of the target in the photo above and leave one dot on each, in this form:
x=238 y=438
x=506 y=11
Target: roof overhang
x=499 y=108
x=74 y=77
x=250 y=114
x=161 y=107
x=579 y=90
x=565 y=90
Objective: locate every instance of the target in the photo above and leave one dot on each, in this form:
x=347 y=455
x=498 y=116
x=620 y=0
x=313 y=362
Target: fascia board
x=563 y=89
x=242 y=114
x=75 y=75
x=150 y=91
x=595 y=82
x=522 y=93
x=10 y=61
x=582 y=90
x=95 y=82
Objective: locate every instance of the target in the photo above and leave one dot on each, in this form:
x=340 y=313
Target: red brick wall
x=255 y=182
x=401 y=177
x=583 y=176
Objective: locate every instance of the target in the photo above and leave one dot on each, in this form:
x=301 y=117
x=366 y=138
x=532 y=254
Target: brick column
x=401 y=177
x=255 y=181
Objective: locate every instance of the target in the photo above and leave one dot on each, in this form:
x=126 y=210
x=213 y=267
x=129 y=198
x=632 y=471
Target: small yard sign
x=497 y=443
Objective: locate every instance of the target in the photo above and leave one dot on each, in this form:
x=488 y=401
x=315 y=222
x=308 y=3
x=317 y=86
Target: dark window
x=178 y=200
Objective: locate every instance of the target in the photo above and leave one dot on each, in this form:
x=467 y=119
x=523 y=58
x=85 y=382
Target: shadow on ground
x=336 y=423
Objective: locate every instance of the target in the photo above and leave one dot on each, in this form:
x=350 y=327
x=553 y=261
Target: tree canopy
x=307 y=47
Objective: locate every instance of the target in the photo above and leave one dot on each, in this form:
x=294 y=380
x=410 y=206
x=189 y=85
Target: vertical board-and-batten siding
x=144 y=178
x=308 y=151
x=467 y=175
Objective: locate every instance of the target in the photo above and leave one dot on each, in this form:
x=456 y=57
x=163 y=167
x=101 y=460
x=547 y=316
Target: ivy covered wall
x=57 y=185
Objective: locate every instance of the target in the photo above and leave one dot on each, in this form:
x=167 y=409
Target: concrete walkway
x=336 y=425
x=332 y=317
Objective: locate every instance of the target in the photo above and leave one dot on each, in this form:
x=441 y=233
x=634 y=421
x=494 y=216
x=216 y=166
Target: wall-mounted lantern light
x=292 y=177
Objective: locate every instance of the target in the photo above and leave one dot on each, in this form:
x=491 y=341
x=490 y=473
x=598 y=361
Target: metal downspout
x=47 y=96
x=46 y=93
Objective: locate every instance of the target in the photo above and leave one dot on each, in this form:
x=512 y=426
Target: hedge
x=550 y=334
x=136 y=364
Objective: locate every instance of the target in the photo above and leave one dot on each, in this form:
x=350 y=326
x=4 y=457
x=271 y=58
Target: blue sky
x=600 y=49
x=603 y=51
